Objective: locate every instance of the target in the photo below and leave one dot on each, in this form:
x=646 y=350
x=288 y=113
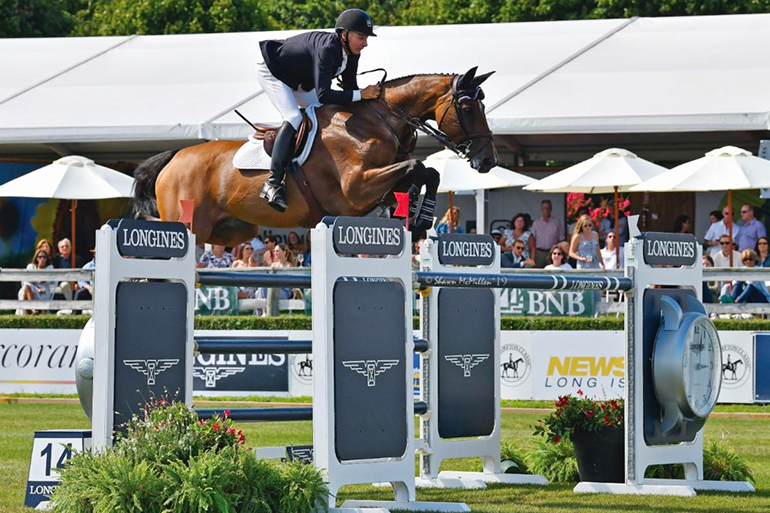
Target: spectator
x=623 y=229
x=763 y=252
x=610 y=253
x=708 y=293
x=443 y=225
x=547 y=232
x=515 y=258
x=584 y=247
x=751 y=230
x=268 y=255
x=64 y=261
x=722 y=259
x=304 y=258
x=45 y=246
x=605 y=227
x=295 y=244
x=37 y=290
x=244 y=256
x=217 y=258
x=200 y=249
x=497 y=236
x=283 y=257
x=557 y=258
x=716 y=231
x=85 y=291
x=683 y=224
x=519 y=231
x=752 y=291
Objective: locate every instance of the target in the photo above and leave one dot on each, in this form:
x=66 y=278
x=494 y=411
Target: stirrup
x=275 y=196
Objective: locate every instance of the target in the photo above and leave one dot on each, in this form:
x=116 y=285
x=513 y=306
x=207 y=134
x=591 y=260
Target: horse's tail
x=145 y=204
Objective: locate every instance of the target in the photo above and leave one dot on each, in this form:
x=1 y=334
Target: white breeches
x=283 y=97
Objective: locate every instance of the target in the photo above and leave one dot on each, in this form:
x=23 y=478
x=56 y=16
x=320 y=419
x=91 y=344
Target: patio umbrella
x=612 y=170
x=71 y=178
x=458 y=175
x=728 y=168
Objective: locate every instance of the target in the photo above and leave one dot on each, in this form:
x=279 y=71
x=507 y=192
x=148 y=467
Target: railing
x=301 y=279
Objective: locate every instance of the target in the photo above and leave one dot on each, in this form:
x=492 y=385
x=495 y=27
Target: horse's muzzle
x=484 y=161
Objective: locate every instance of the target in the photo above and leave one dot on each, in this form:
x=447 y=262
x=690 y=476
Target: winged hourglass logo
x=370 y=368
x=466 y=361
x=150 y=368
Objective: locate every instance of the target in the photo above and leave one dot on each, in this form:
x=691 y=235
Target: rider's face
x=357 y=42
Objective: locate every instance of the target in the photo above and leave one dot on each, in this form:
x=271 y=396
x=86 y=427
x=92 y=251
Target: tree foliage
x=46 y=18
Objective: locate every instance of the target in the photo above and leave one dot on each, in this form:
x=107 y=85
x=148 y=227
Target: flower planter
x=600 y=454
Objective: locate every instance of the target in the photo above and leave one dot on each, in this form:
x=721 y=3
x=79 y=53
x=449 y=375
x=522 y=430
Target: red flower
x=230 y=431
x=556 y=439
x=216 y=427
x=580 y=392
x=606 y=419
x=589 y=414
x=201 y=422
x=227 y=413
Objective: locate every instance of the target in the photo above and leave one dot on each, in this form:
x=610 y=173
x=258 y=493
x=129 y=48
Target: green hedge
x=302 y=322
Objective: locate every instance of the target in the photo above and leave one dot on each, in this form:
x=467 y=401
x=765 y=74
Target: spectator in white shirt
x=557 y=258
x=722 y=259
x=716 y=230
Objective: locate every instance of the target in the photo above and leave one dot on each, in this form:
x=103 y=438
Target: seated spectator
x=64 y=261
x=217 y=258
x=610 y=253
x=295 y=244
x=85 y=291
x=557 y=258
x=708 y=293
x=515 y=258
x=244 y=256
x=268 y=254
x=683 y=224
x=443 y=225
x=722 y=259
x=763 y=252
x=282 y=258
x=304 y=258
x=37 y=290
x=45 y=246
x=752 y=291
x=497 y=236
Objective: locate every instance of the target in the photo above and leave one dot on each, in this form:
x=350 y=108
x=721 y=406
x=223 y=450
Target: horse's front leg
x=431 y=179
x=365 y=188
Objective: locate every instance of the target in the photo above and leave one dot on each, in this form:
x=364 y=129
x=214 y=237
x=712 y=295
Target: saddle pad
x=252 y=155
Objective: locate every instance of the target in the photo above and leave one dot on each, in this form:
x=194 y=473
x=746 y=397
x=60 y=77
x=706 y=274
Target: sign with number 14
x=50 y=451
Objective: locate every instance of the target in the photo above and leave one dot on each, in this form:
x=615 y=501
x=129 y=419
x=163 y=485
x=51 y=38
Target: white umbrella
x=72 y=178
x=728 y=168
x=458 y=175
x=611 y=170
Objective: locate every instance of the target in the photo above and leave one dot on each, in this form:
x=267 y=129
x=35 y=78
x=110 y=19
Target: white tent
x=701 y=77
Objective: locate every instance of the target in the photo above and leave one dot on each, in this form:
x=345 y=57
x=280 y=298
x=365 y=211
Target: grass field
x=751 y=437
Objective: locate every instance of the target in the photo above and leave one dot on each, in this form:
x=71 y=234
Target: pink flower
x=227 y=413
x=580 y=392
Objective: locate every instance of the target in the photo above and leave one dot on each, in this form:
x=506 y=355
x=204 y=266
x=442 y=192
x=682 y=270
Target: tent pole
x=481 y=220
x=730 y=211
x=74 y=232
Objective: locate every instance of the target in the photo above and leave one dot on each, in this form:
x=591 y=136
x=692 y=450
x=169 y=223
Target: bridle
x=458 y=98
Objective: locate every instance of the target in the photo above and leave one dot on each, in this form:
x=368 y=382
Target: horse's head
x=464 y=121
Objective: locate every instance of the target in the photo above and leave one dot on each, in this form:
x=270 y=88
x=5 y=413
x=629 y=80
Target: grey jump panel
x=297 y=414
x=236 y=279
x=521 y=281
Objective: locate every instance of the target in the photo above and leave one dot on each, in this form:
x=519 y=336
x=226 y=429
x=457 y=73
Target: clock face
x=702 y=366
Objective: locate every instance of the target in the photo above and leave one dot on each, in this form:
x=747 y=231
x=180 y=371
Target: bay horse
x=359 y=158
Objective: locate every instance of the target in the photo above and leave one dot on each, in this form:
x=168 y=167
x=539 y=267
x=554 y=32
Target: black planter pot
x=600 y=455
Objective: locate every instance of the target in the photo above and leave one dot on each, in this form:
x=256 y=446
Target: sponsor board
x=368 y=236
x=557 y=303
x=737 y=367
x=153 y=239
x=466 y=249
x=216 y=300
x=50 y=452
x=35 y=361
x=670 y=249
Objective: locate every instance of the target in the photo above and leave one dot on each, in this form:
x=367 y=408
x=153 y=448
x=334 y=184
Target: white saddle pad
x=252 y=154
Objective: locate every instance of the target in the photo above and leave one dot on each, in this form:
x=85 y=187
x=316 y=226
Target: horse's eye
x=468 y=109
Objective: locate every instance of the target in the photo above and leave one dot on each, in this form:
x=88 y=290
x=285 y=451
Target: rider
x=297 y=72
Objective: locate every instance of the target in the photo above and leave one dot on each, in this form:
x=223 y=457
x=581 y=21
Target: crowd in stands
x=543 y=243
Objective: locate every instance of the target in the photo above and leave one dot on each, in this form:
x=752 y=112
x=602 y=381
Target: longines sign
x=670 y=249
x=368 y=236
x=462 y=249
x=152 y=239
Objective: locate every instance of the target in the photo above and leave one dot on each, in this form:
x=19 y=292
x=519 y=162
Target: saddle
x=267 y=133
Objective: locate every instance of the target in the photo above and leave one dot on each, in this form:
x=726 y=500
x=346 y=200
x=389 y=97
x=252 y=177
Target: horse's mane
x=405 y=77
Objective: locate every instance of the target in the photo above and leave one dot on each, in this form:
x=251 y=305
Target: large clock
x=686 y=364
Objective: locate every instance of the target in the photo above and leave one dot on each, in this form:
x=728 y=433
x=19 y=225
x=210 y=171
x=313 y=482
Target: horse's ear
x=465 y=81
x=480 y=79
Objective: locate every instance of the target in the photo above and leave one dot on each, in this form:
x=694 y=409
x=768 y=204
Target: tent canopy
x=562 y=89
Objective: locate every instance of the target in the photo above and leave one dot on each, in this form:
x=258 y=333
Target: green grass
x=751 y=438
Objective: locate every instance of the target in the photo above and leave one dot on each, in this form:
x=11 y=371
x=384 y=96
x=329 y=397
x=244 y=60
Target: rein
x=463 y=149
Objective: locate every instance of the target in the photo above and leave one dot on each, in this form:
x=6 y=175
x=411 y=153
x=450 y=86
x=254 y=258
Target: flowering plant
x=579 y=413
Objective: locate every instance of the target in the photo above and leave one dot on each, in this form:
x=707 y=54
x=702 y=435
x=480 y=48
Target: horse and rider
x=360 y=157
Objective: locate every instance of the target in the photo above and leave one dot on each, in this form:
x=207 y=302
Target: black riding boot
x=274 y=190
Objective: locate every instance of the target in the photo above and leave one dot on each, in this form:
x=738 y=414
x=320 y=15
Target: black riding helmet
x=357 y=21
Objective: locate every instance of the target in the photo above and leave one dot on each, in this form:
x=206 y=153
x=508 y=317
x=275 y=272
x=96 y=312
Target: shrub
x=168 y=461
x=554 y=461
x=720 y=463
x=579 y=413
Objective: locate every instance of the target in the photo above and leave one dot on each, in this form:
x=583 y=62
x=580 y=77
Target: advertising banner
x=216 y=300
x=38 y=361
x=737 y=366
x=516 y=380
x=555 y=303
